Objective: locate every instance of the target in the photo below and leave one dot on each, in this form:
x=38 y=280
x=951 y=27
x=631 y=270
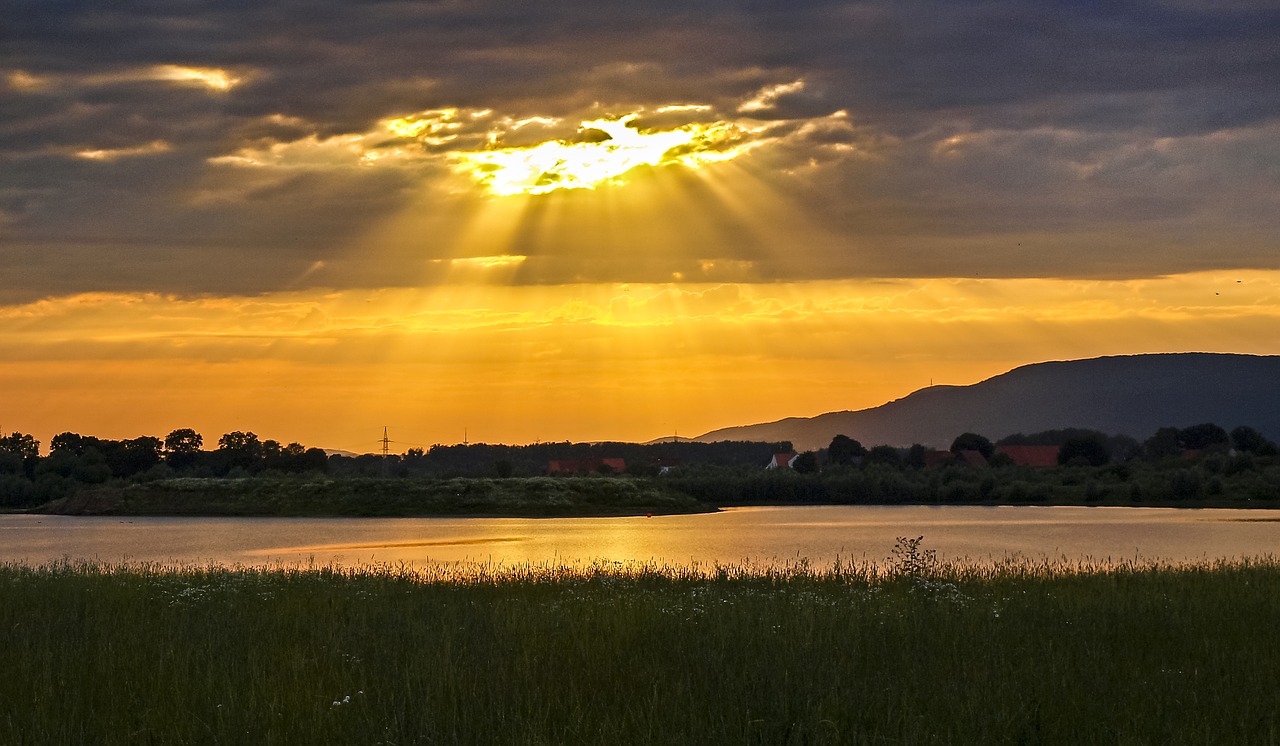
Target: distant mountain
x=1132 y=394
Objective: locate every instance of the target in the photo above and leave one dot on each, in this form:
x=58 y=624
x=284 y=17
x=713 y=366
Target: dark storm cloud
x=1139 y=135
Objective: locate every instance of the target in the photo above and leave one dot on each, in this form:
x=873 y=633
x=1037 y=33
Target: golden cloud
x=111 y=154
x=213 y=78
x=605 y=150
x=768 y=96
x=210 y=77
x=539 y=154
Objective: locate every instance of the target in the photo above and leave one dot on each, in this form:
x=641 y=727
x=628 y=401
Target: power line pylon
x=386 y=450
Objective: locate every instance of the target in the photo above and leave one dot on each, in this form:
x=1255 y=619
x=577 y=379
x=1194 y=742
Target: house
x=665 y=465
x=938 y=458
x=1031 y=455
x=782 y=460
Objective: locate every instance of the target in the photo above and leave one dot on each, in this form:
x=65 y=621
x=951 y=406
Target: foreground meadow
x=911 y=652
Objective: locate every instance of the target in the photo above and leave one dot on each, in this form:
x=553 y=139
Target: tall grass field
x=911 y=652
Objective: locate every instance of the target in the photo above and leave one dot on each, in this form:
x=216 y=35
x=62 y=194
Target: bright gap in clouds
x=210 y=77
x=503 y=156
x=606 y=149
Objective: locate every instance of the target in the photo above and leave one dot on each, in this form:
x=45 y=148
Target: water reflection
x=330 y=548
x=764 y=535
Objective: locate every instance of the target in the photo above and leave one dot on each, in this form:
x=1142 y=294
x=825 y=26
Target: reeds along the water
x=912 y=650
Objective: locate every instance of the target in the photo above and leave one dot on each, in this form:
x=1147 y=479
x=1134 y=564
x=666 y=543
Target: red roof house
x=782 y=460
x=1031 y=455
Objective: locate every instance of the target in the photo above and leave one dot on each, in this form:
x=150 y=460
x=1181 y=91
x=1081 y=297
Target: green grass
x=635 y=654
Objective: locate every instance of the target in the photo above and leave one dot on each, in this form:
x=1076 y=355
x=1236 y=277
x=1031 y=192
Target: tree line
x=1076 y=447
x=1190 y=465
x=1116 y=466
x=74 y=460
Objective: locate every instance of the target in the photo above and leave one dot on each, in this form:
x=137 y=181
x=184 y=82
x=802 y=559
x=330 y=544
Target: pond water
x=760 y=535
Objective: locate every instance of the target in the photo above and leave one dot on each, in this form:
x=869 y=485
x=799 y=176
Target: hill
x=1132 y=394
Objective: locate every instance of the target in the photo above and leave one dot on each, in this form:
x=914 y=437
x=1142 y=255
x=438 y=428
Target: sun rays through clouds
x=604 y=150
x=505 y=360
x=602 y=220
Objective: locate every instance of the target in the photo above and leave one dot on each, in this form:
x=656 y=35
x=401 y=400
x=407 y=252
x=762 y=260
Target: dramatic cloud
x=917 y=138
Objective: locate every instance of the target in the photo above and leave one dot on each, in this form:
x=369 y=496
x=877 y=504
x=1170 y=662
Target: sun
x=603 y=152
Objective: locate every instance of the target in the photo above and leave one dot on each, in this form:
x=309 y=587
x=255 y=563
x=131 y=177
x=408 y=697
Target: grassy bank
x=538 y=496
x=641 y=655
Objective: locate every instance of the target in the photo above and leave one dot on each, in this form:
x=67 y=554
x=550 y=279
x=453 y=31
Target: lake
x=761 y=535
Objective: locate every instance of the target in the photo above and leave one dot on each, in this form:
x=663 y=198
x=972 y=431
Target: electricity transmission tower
x=386 y=450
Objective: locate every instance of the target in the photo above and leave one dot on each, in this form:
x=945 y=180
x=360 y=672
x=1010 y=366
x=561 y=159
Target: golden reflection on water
x=391 y=545
x=820 y=535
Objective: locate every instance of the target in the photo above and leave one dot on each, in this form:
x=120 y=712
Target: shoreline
x=95 y=506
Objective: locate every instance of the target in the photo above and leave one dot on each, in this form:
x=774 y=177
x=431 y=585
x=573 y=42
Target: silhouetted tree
x=88 y=467
x=973 y=442
x=183 y=440
x=915 y=456
x=883 y=454
x=182 y=448
x=20 y=444
x=72 y=443
x=315 y=459
x=1205 y=436
x=15 y=489
x=10 y=462
x=240 y=441
x=845 y=451
x=239 y=449
x=1123 y=448
x=1163 y=444
x=805 y=463
x=1247 y=440
x=135 y=456
x=1086 y=450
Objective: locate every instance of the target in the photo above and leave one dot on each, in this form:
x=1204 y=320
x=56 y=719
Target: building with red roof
x=1031 y=455
x=782 y=460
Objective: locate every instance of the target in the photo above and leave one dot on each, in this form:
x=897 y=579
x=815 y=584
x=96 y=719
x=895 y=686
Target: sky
x=510 y=222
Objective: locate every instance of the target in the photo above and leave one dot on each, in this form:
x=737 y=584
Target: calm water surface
x=763 y=535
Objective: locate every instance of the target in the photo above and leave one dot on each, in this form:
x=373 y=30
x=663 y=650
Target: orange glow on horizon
x=578 y=362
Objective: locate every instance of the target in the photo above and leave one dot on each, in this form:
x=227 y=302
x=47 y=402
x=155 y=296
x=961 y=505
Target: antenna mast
x=386 y=449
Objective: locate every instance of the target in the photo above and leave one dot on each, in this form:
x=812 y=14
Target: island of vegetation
x=1202 y=465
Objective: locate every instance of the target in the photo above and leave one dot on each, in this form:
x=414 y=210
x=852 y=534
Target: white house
x=782 y=460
